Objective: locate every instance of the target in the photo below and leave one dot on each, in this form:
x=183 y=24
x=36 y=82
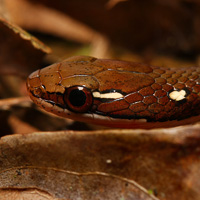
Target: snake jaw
x=117 y=93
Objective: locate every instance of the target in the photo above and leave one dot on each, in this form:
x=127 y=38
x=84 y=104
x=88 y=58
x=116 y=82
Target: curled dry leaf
x=26 y=194
x=164 y=161
x=10 y=121
x=112 y=3
x=6 y=103
x=20 y=52
x=36 y=16
x=161 y=160
x=18 y=116
x=153 y=26
x=61 y=184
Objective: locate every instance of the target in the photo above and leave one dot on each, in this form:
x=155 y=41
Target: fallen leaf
x=26 y=194
x=141 y=26
x=160 y=160
x=37 y=17
x=20 y=52
x=61 y=184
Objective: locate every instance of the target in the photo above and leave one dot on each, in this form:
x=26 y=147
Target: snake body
x=118 y=93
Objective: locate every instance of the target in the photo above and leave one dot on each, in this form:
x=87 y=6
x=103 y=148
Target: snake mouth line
x=115 y=122
x=81 y=89
x=63 y=106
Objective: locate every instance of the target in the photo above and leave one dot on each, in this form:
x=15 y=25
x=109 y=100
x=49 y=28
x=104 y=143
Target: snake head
x=113 y=93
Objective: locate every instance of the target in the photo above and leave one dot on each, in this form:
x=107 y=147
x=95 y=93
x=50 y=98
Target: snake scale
x=118 y=93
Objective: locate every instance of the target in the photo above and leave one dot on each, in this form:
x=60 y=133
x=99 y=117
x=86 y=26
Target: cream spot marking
x=108 y=161
x=178 y=95
x=110 y=95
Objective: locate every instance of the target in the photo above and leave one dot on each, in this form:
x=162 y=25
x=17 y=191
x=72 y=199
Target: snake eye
x=78 y=98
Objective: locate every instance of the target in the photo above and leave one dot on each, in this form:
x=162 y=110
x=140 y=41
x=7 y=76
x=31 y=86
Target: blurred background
x=159 y=32
x=112 y=28
x=37 y=33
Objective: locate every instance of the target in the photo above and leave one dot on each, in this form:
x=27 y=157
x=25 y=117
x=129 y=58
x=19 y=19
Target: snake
x=119 y=94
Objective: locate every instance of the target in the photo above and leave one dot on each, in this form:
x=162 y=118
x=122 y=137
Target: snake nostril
x=37 y=92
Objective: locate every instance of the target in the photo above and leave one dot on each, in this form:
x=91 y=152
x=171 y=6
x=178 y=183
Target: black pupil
x=77 y=98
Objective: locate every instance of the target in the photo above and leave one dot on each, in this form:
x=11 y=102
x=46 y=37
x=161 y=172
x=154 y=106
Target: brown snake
x=118 y=93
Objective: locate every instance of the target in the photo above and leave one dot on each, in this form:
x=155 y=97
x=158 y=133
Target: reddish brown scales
x=145 y=114
x=156 y=86
x=160 y=93
x=121 y=113
x=124 y=81
x=183 y=79
x=155 y=108
x=113 y=106
x=133 y=97
x=154 y=75
x=149 y=100
x=138 y=107
x=196 y=89
x=166 y=76
x=177 y=75
x=146 y=91
x=172 y=81
x=164 y=100
x=190 y=83
x=192 y=97
x=142 y=91
x=160 y=81
x=179 y=86
x=167 y=87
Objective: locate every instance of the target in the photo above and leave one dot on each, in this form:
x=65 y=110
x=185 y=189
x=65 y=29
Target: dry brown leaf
x=6 y=103
x=61 y=184
x=20 y=52
x=18 y=116
x=35 y=16
x=164 y=161
x=171 y=27
x=27 y=194
x=111 y=3
x=160 y=160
